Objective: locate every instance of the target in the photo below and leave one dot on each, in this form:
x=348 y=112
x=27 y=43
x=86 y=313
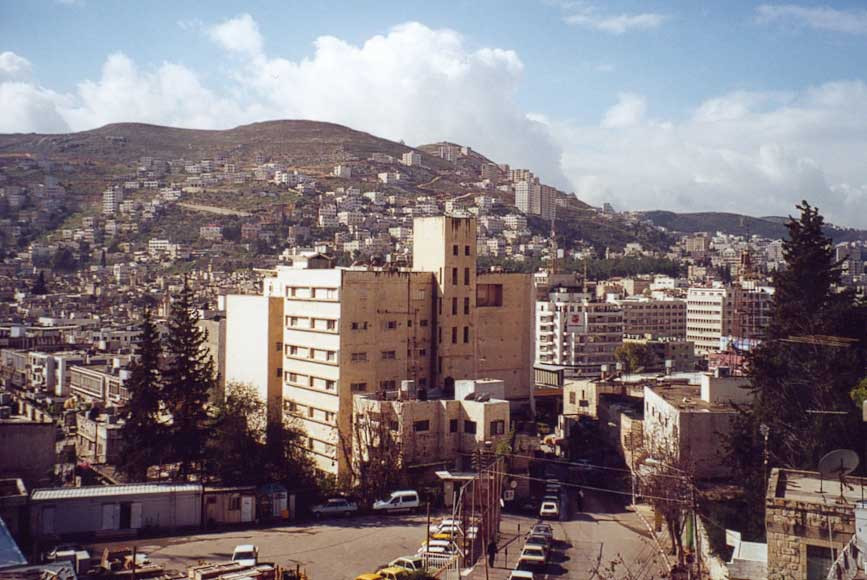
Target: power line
x=582 y=465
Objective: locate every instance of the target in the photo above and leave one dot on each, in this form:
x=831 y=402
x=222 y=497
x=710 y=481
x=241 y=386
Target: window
x=455 y=250
x=391 y=324
x=358 y=387
x=234 y=503
x=293 y=378
x=330 y=324
x=454 y=305
x=329 y=416
x=466 y=305
x=440 y=334
x=466 y=250
x=387 y=385
x=388 y=355
x=454 y=334
x=393 y=426
x=329 y=385
x=359 y=326
x=422 y=352
x=498 y=427
x=440 y=306
x=489 y=295
x=278 y=346
x=470 y=427
x=466 y=276
x=572 y=398
x=453 y=426
x=423 y=323
x=310 y=412
x=409 y=323
x=421 y=425
x=279 y=372
x=454 y=276
x=359 y=357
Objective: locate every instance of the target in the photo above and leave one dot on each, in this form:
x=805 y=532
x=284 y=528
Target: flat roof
x=688 y=398
x=50 y=494
x=808 y=487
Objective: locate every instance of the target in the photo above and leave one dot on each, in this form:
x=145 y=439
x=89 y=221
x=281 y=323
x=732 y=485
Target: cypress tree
x=187 y=381
x=39 y=286
x=801 y=379
x=142 y=431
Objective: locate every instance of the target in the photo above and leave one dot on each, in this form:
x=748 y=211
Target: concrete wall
x=27 y=450
x=725 y=389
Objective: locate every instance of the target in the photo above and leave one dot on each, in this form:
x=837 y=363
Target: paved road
x=331 y=549
x=214 y=209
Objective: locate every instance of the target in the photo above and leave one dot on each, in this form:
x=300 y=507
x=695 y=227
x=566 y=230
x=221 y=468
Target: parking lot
x=330 y=549
x=337 y=548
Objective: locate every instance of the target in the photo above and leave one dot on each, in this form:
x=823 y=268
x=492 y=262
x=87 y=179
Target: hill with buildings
x=772 y=227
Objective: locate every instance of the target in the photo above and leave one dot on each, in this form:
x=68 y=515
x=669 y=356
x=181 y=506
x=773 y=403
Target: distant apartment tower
x=577 y=333
x=657 y=318
x=348 y=331
x=411 y=159
x=342 y=171
x=111 y=200
x=534 y=198
x=719 y=315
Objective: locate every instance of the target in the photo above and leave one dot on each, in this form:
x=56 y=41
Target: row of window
x=309 y=381
x=318 y=354
x=311 y=323
x=454 y=332
x=455 y=251
x=306 y=292
x=386 y=325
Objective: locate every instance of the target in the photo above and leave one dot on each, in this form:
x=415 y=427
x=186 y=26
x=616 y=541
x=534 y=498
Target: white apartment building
x=534 y=198
x=576 y=333
x=328 y=216
x=111 y=200
x=708 y=317
x=411 y=159
x=342 y=171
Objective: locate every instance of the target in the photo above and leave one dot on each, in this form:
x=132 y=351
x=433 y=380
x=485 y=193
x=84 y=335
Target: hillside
x=297 y=142
x=772 y=227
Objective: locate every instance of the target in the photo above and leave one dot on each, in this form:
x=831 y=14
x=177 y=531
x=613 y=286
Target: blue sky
x=736 y=106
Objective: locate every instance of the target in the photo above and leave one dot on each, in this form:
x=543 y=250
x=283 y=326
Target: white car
x=542 y=530
x=399 y=501
x=411 y=563
x=550 y=510
x=533 y=557
x=522 y=575
x=336 y=506
x=438 y=547
x=246 y=555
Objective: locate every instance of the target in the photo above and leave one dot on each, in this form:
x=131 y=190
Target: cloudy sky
x=687 y=106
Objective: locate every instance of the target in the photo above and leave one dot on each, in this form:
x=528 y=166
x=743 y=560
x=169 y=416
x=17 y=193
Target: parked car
x=369 y=576
x=533 y=557
x=542 y=530
x=522 y=575
x=549 y=510
x=411 y=563
x=438 y=547
x=550 y=497
x=246 y=555
x=399 y=501
x=336 y=506
x=538 y=540
x=393 y=573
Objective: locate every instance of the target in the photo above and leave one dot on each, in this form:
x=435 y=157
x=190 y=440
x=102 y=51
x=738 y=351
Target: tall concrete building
x=348 y=331
x=658 y=318
x=576 y=332
x=534 y=198
x=111 y=200
x=718 y=314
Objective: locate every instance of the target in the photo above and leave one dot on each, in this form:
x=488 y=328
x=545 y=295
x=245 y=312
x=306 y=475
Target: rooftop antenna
x=838 y=463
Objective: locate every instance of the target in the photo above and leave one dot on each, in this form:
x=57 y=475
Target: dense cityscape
x=295 y=350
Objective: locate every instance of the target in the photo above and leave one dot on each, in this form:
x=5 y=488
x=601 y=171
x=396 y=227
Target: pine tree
x=797 y=373
x=39 y=286
x=142 y=432
x=188 y=379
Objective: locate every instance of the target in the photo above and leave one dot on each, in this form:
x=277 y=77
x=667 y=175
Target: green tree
x=143 y=432
x=39 y=286
x=859 y=393
x=63 y=260
x=188 y=379
x=635 y=355
x=799 y=372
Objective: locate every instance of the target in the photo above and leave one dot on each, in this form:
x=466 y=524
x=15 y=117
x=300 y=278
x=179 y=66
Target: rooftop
x=51 y=494
x=687 y=398
x=809 y=487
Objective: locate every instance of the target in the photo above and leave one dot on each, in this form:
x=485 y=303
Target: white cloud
x=13 y=67
x=240 y=35
x=755 y=153
x=816 y=17
x=588 y=16
x=628 y=111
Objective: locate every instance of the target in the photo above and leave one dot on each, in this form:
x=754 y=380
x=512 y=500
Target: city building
x=576 y=332
x=111 y=200
x=658 y=318
x=27 y=448
x=348 y=331
x=720 y=314
x=411 y=159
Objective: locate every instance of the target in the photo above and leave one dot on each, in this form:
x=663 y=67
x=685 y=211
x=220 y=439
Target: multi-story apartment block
x=111 y=200
x=658 y=318
x=211 y=232
x=411 y=159
x=355 y=331
x=721 y=314
x=576 y=333
x=534 y=198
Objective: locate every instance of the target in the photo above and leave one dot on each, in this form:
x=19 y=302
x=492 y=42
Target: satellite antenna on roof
x=838 y=463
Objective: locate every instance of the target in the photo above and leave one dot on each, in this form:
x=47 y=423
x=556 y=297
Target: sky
x=689 y=105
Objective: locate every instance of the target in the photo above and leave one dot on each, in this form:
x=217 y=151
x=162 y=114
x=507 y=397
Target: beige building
x=717 y=314
x=658 y=318
x=356 y=331
x=439 y=430
x=808 y=522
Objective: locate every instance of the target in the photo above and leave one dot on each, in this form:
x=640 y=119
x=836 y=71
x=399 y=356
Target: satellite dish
x=838 y=463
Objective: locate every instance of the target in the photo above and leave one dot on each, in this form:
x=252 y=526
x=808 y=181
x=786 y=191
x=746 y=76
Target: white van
x=399 y=501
